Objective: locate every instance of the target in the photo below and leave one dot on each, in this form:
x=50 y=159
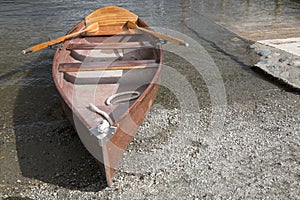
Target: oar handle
x=38 y=47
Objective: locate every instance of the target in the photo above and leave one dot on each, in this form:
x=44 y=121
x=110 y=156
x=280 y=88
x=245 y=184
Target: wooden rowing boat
x=108 y=80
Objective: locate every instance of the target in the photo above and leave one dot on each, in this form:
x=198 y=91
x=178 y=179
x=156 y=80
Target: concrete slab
x=280 y=59
x=291 y=45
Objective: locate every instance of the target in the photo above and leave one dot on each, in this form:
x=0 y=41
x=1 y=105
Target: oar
x=132 y=25
x=92 y=28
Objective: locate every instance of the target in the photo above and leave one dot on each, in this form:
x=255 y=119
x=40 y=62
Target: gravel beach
x=256 y=156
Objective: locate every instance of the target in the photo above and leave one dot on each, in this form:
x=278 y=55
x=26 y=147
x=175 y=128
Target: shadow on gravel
x=48 y=148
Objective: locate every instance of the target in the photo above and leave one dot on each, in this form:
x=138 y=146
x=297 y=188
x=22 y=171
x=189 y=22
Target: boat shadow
x=48 y=147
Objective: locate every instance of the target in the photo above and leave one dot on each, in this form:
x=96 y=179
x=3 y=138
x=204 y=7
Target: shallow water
x=31 y=119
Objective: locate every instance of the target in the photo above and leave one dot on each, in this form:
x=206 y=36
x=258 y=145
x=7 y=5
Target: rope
x=101 y=112
x=134 y=95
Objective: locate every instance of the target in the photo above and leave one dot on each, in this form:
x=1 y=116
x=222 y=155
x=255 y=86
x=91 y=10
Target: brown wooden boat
x=108 y=80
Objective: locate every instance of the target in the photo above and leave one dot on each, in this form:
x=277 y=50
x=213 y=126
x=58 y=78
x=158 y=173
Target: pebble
x=285 y=74
x=235 y=39
x=264 y=52
x=273 y=68
x=253 y=46
x=273 y=55
x=296 y=63
x=283 y=59
x=263 y=62
x=276 y=54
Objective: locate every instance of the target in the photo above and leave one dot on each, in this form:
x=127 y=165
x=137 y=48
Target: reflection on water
x=254 y=12
x=255 y=19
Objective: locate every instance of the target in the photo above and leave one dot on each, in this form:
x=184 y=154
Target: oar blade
x=130 y=24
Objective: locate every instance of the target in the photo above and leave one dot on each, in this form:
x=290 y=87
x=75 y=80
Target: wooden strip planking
x=110 y=14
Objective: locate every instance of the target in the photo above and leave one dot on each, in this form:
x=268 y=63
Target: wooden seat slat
x=123 y=45
x=116 y=65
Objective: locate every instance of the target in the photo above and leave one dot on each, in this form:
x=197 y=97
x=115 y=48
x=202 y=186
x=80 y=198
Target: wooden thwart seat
x=116 y=65
x=93 y=77
x=123 y=45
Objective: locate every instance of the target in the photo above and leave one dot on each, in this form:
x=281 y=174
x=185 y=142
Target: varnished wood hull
x=141 y=69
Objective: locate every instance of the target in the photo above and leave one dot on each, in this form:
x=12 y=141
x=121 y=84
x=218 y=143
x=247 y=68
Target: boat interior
x=92 y=69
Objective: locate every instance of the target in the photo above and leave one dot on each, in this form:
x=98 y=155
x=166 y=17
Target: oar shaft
x=45 y=44
x=38 y=47
x=133 y=25
x=165 y=37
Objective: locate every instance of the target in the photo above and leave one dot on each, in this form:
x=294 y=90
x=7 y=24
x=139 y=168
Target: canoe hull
x=108 y=148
